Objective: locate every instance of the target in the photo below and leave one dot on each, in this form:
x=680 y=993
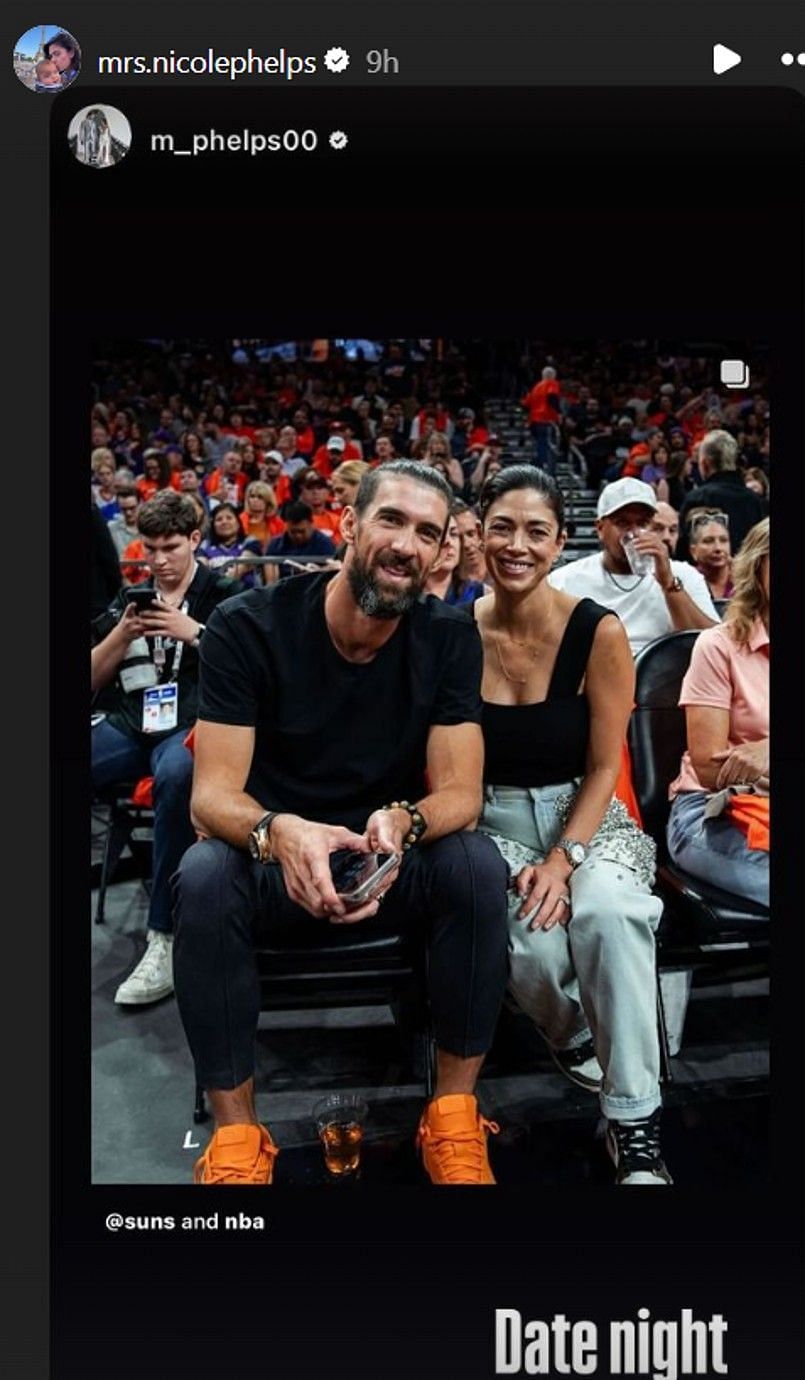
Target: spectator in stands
x=444 y=580
x=758 y=481
x=436 y=452
x=193 y=453
x=190 y=483
x=345 y=484
x=145 y=654
x=248 y=457
x=655 y=471
x=543 y=409
x=123 y=529
x=103 y=483
x=299 y=540
x=225 y=542
x=346 y=481
x=582 y=915
x=334 y=453
x=287 y=445
x=260 y=518
x=305 y=436
x=228 y=483
x=722 y=489
x=394 y=428
x=665 y=523
x=472 y=565
x=725 y=694
x=710 y=552
x=673 y=595
x=679 y=475
x=489 y=461
x=266 y=785
x=313 y=489
x=384 y=451
x=156 y=474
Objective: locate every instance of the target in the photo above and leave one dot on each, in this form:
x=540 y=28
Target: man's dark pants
x=452 y=893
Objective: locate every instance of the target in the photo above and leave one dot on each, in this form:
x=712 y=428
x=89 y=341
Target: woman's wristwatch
x=574 y=851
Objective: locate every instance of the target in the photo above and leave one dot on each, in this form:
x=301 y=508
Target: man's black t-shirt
x=335 y=740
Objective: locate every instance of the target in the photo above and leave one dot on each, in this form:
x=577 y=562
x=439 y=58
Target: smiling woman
x=557 y=687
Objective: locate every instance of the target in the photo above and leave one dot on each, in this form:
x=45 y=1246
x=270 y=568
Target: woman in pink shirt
x=726 y=698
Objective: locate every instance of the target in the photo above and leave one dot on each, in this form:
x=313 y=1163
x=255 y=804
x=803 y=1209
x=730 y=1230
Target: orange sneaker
x=452 y=1137
x=242 y=1154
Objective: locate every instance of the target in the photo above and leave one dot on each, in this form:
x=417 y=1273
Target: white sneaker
x=153 y=976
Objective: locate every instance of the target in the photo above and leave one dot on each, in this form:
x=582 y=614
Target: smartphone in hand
x=357 y=877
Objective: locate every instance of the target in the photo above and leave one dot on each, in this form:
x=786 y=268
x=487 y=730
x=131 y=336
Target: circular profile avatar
x=47 y=58
x=99 y=135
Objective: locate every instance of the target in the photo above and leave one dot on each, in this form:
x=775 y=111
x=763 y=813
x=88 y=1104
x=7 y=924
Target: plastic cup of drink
x=640 y=562
x=340 y=1120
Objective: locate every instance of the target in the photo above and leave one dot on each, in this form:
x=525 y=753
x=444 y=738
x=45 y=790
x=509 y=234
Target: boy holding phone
x=146 y=645
x=325 y=702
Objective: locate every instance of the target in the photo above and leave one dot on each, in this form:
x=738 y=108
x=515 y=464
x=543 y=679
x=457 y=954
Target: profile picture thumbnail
x=47 y=58
x=99 y=136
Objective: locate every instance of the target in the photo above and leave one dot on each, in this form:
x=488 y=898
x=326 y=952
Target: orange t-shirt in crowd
x=536 y=401
x=146 y=488
x=330 y=523
x=244 y=433
x=323 y=463
x=305 y=441
x=264 y=530
x=218 y=478
x=134 y=574
x=282 y=489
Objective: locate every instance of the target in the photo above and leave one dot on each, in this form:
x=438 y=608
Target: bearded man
x=342 y=711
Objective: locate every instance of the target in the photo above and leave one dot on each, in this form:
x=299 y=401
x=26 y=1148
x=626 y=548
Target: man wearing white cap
x=667 y=597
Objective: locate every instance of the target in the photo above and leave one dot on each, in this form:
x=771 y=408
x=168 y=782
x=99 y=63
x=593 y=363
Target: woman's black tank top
x=545 y=744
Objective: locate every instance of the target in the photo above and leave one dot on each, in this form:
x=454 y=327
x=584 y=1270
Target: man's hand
x=303 y=850
x=652 y=544
x=164 y=621
x=748 y=762
x=543 y=888
x=385 y=832
x=131 y=625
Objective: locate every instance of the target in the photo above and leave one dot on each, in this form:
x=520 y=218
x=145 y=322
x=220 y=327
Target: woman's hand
x=544 y=891
x=747 y=762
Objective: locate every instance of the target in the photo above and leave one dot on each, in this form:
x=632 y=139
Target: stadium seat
x=702 y=923
x=130 y=807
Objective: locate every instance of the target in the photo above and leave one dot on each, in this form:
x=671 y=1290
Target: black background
x=556 y=215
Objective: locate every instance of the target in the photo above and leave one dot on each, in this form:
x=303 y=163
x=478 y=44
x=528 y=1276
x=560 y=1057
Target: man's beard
x=375 y=602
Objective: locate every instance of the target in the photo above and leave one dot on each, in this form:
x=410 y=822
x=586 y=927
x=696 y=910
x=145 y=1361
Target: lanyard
x=159 y=652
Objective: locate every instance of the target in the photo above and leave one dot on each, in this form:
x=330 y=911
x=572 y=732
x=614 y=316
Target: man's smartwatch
x=202 y=627
x=675 y=586
x=574 y=851
x=259 y=839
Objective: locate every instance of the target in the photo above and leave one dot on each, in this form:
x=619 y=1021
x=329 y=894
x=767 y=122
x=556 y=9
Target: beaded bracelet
x=418 y=822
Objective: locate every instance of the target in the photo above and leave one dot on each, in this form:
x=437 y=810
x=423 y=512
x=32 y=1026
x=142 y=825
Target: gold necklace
x=534 y=653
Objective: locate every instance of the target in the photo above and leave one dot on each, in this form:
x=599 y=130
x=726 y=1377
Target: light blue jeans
x=597 y=975
x=715 y=850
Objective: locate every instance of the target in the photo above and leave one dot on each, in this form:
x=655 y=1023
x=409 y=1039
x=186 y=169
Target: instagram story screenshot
x=393 y=811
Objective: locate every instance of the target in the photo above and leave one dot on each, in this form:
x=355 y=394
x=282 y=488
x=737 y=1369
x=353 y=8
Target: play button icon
x=724 y=59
